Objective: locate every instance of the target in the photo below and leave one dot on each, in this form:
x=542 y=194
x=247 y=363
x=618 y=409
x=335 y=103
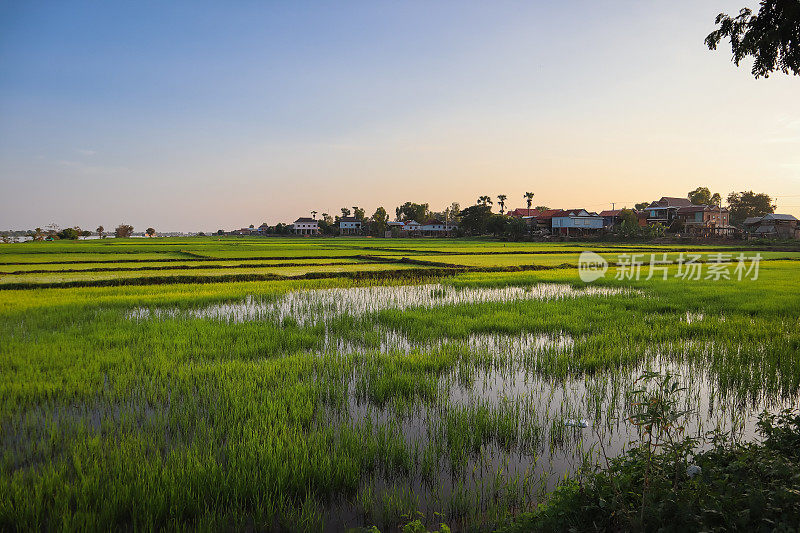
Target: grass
x=463 y=412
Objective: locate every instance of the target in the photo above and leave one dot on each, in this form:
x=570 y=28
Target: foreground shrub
x=743 y=487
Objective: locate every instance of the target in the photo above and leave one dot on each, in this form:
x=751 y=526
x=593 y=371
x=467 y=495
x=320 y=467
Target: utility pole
x=612 y=206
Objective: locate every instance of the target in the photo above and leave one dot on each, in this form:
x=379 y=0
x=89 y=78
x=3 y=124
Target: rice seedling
x=313 y=404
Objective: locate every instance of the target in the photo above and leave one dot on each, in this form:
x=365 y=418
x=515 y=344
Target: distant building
x=437 y=227
x=665 y=210
x=349 y=226
x=705 y=220
x=538 y=220
x=411 y=227
x=305 y=226
x=773 y=225
x=521 y=212
x=576 y=221
x=611 y=217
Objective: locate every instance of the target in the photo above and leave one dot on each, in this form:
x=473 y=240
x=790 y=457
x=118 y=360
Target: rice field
x=365 y=383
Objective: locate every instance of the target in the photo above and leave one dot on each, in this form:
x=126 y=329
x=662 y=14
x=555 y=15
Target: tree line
x=54 y=232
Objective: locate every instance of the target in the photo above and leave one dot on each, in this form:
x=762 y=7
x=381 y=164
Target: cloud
x=86 y=152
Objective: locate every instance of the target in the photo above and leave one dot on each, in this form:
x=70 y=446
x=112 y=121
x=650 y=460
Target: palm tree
x=314 y=214
x=501 y=199
x=485 y=200
x=529 y=198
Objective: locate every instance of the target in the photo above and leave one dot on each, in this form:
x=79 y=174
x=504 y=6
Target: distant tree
x=703 y=196
x=451 y=213
x=474 y=218
x=101 y=231
x=69 y=234
x=123 y=230
x=379 y=221
x=445 y=215
x=314 y=215
x=359 y=213
x=772 y=37
x=485 y=201
x=501 y=201
x=201 y=234
x=515 y=228
x=52 y=230
x=326 y=227
x=345 y=212
x=641 y=205
x=629 y=223
x=327 y=218
x=677 y=226
x=38 y=234
x=85 y=233
x=150 y=231
x=220 y=232
x=653 y=231
x=541 y=208
x=251 y=226
x=748 y=204
x=496 y=224
x=528 y=199
x=412 y=211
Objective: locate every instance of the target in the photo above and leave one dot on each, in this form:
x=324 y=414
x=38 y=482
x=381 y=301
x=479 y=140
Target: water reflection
x=310 y=307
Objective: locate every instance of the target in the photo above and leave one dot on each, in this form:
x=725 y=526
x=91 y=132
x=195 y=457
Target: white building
x=411 y=226
x=437 y=227
x=349 y=226
x=305 y=226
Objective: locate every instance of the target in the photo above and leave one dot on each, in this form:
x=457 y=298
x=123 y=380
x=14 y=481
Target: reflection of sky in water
x=546 y=444
x=320 y=305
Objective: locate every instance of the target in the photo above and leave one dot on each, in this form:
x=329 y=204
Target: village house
x=534 y=218
x=437 y=227
x=522 y=212
x=305 y=226
x=411 y=227
x=541 y=220
x=576 y=222
x=611 y=218
x=773 y=225
x=393 y=228
x=349 y=226
x=665 y=210
x=243 y=231
x=705 y=220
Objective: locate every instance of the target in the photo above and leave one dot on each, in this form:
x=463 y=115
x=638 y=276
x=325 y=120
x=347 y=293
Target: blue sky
x=206 y=115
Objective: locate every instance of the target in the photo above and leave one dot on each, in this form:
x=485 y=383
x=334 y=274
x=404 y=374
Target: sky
x=190 y=116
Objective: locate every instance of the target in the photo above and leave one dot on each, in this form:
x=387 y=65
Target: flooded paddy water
x=314 y=306
x=488 y=432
